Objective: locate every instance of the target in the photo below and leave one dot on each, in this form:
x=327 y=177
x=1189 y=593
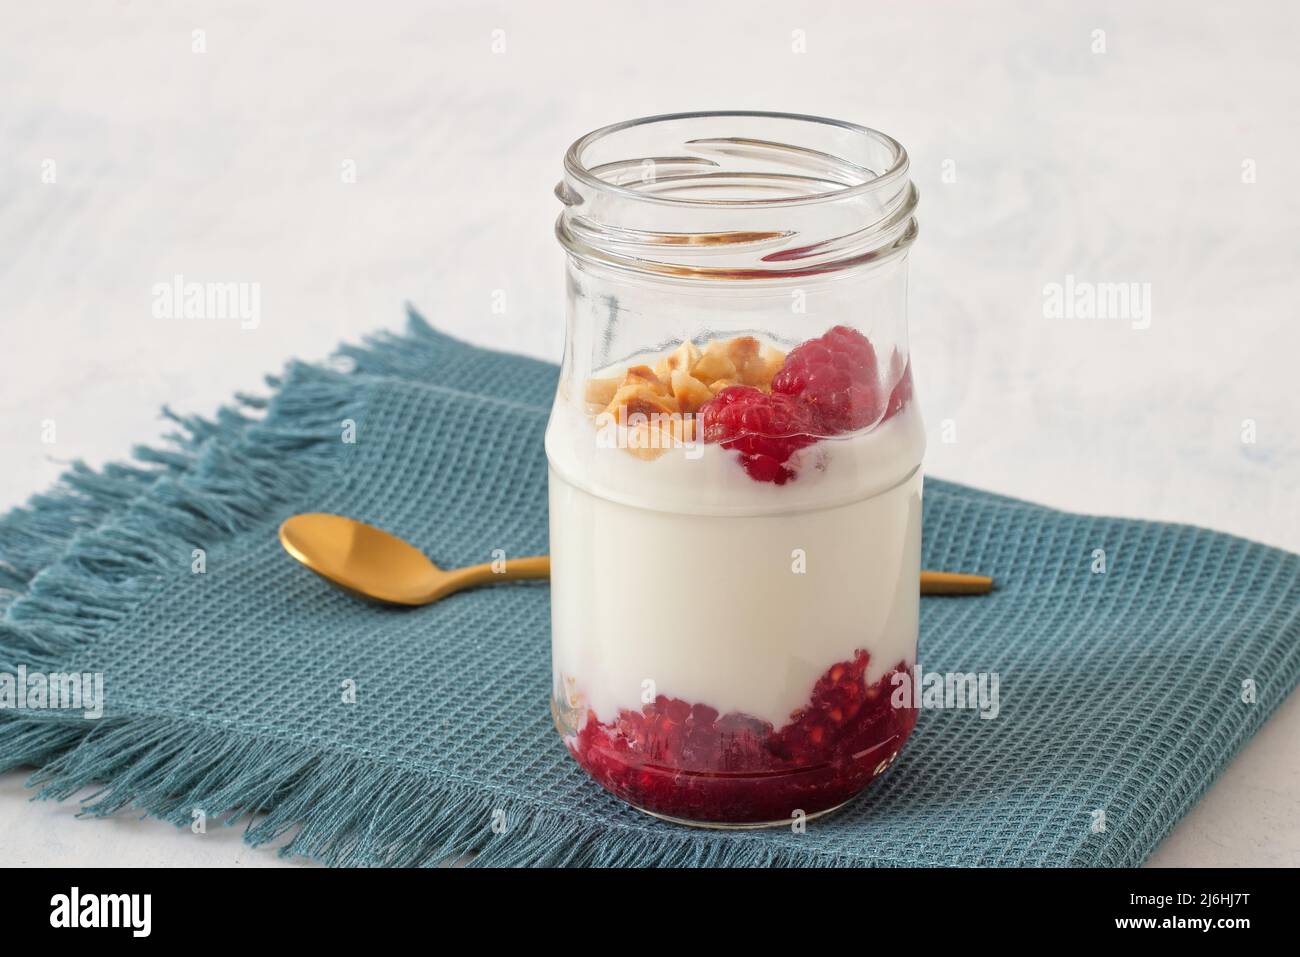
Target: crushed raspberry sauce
x=827 y=386
x=685 y=760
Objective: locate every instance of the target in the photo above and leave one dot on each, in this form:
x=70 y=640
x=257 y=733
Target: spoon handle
x=954 y=583
x=507 y=570
x=539 y=566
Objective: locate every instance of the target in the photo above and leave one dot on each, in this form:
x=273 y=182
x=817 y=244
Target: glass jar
x=734 y=449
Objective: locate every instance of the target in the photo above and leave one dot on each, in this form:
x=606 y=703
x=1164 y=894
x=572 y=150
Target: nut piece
x=645 y=376
x=759 y=372
x=742 y=350
x=681 y=359
x=666 y=398
x=689 y=391
x=715 y=364
x=649 y=440
x=751 y=362
x=600 y=392
x=633 y=397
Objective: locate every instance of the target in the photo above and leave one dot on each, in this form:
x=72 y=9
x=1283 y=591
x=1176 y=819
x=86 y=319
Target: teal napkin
x=236 y=682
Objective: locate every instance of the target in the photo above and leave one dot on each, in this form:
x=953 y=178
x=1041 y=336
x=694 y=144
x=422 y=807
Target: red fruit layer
x=827 y=386
x=835 y=374
x=765 y=429
x=685 y=760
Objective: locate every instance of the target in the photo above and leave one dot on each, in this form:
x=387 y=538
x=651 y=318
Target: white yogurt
x=683 y=576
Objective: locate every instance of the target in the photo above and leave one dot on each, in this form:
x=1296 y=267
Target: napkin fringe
x=212 y=478
x=35 y=535
x=27 y=742
x=200 y=495
x=349 y=810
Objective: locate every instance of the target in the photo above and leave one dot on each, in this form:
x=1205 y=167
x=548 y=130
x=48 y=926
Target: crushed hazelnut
x=714 y=365
x=681 y=359
x=689 y=391
x=673 y=390
x=600 y=392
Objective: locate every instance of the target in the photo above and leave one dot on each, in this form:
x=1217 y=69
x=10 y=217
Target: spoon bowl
x=374 y=564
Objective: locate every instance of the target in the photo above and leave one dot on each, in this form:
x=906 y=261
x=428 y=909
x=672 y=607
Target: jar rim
x=898 y=168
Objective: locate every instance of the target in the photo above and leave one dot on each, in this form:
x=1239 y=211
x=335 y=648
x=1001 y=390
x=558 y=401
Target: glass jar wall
x=735 y=451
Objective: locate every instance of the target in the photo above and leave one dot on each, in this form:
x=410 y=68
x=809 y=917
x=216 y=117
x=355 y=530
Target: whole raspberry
x=765 y=429
x=835 y=374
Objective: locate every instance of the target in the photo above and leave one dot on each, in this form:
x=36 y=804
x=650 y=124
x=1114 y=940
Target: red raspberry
x=836 y=374
x=765 y=429
x=686 y=760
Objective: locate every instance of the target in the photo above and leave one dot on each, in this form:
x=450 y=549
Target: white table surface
x=1117 y=166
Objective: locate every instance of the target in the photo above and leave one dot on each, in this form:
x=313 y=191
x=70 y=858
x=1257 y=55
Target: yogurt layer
x=683 y=577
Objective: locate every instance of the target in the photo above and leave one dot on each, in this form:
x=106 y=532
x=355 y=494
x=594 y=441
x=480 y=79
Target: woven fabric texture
x=1124 y=692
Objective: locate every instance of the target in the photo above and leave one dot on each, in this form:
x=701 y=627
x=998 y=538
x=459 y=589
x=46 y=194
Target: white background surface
x=1116 y=166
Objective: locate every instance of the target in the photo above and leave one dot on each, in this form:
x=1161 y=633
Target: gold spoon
x=371 y=563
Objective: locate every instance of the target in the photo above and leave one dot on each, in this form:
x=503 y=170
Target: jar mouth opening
x=864 y=160
x=736 y=195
